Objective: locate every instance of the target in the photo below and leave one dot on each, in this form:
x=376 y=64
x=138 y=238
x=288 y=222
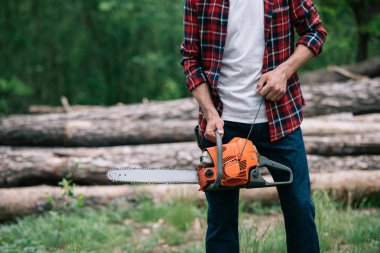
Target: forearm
x=276 y=80
x=203 y=97
x=299 y=58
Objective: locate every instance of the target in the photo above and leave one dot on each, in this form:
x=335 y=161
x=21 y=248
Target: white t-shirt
x=242 y=62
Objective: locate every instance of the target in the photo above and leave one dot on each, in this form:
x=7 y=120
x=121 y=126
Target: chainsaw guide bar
x=154 y=175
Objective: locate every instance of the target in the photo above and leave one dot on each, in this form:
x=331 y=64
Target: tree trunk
x=158 y=122
x=364 y=12
x=346 y=186
x=362 y=51
x=88 y=166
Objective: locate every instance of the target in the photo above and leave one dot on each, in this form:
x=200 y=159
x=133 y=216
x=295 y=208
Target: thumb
x=219 y=127
x=262 y=80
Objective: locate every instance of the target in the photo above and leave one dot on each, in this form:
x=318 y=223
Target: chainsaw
x=236 y=164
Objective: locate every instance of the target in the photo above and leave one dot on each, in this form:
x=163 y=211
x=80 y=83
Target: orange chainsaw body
x=236 y=165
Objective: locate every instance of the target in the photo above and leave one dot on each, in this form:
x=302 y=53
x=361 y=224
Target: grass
x=180 y=227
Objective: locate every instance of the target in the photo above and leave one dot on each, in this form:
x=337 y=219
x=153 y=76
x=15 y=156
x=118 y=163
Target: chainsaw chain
x=147 y=170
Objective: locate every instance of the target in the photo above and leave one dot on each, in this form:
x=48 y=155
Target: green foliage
x=110 y=51
x=374 y=25
x=93 y=52
x=85 y=230
x=178 y=214
x=66 y=203
x=260 y=209
x=364 y=18
x=171 y=236
x=340 y=229
x=14 y=95
x=341 y=43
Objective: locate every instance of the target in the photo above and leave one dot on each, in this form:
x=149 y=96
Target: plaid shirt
x=205 y=29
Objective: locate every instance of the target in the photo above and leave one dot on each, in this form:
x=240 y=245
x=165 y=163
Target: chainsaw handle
x=265 y=162
x=219 y=162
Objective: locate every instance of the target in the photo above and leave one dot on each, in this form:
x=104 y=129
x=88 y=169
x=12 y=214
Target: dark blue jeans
x=297 y=206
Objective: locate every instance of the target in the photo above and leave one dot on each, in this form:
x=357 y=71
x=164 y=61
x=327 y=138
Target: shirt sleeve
x=190 y=49
x=305 y=18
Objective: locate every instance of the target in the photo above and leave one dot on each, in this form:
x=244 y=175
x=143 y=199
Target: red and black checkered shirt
x=205 y=29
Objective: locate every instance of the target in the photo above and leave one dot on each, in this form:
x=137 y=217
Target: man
x=236 y=52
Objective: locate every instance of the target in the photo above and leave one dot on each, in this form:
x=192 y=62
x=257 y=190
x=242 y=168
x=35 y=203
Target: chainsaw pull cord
x=253 y=123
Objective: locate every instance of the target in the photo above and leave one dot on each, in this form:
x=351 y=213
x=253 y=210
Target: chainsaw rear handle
x=265 y=162
x=219 y=162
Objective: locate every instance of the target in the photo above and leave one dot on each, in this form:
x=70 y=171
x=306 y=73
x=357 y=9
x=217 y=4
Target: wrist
x=210 y=113
x=287 y=69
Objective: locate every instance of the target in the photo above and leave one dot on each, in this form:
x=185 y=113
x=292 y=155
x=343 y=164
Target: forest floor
x=144 y=226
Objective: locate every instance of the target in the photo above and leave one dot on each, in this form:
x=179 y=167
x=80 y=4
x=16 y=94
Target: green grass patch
x=179 y=226
x=179 y=214
x=82 y=230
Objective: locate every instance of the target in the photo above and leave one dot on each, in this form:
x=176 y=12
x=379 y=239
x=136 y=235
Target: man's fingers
x=210 y=135
x=262 y=81
x=213 y=125
x=278 y=96
x=219 y=128
x=264 y=91
x=271 y=95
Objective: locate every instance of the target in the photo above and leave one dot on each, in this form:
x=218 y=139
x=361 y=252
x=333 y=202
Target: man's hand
x=214 y=123
x=272 y=85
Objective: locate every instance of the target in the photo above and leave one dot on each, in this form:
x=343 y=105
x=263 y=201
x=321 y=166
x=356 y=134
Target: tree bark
x=132 y=124
x=44 y=109
x=158 y=122
x=88 y=166
x=341 y=124
x=353 y=144
x=358 y=97
x=345 y=186
x=369 y=68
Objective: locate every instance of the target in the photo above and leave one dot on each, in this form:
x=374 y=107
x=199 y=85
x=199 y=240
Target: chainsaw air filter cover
x=236 y=165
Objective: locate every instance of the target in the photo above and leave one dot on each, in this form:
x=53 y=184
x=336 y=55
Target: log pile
x=369 y=68
x=157 y=122
x=88 y=166
x=39 y=150
x=354 y=186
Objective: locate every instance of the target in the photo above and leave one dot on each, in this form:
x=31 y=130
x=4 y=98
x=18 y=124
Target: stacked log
x=343 y=149
x=158 y=122
x=352 y=186
x=369 y=68
x=88 y=166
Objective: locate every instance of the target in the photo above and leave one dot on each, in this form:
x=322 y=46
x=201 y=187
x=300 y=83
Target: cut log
x=133 y=124
x=332 y=125
x=346 y=116
x=158 y=122
x=346 y=186
x=369 y=68
x=353 y=144
x=15 y=202
x=88 y=166
x=31 y=166
x=44 y=109
x=358 y=97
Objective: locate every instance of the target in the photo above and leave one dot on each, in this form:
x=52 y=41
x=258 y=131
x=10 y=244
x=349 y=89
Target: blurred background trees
x=109 y=51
